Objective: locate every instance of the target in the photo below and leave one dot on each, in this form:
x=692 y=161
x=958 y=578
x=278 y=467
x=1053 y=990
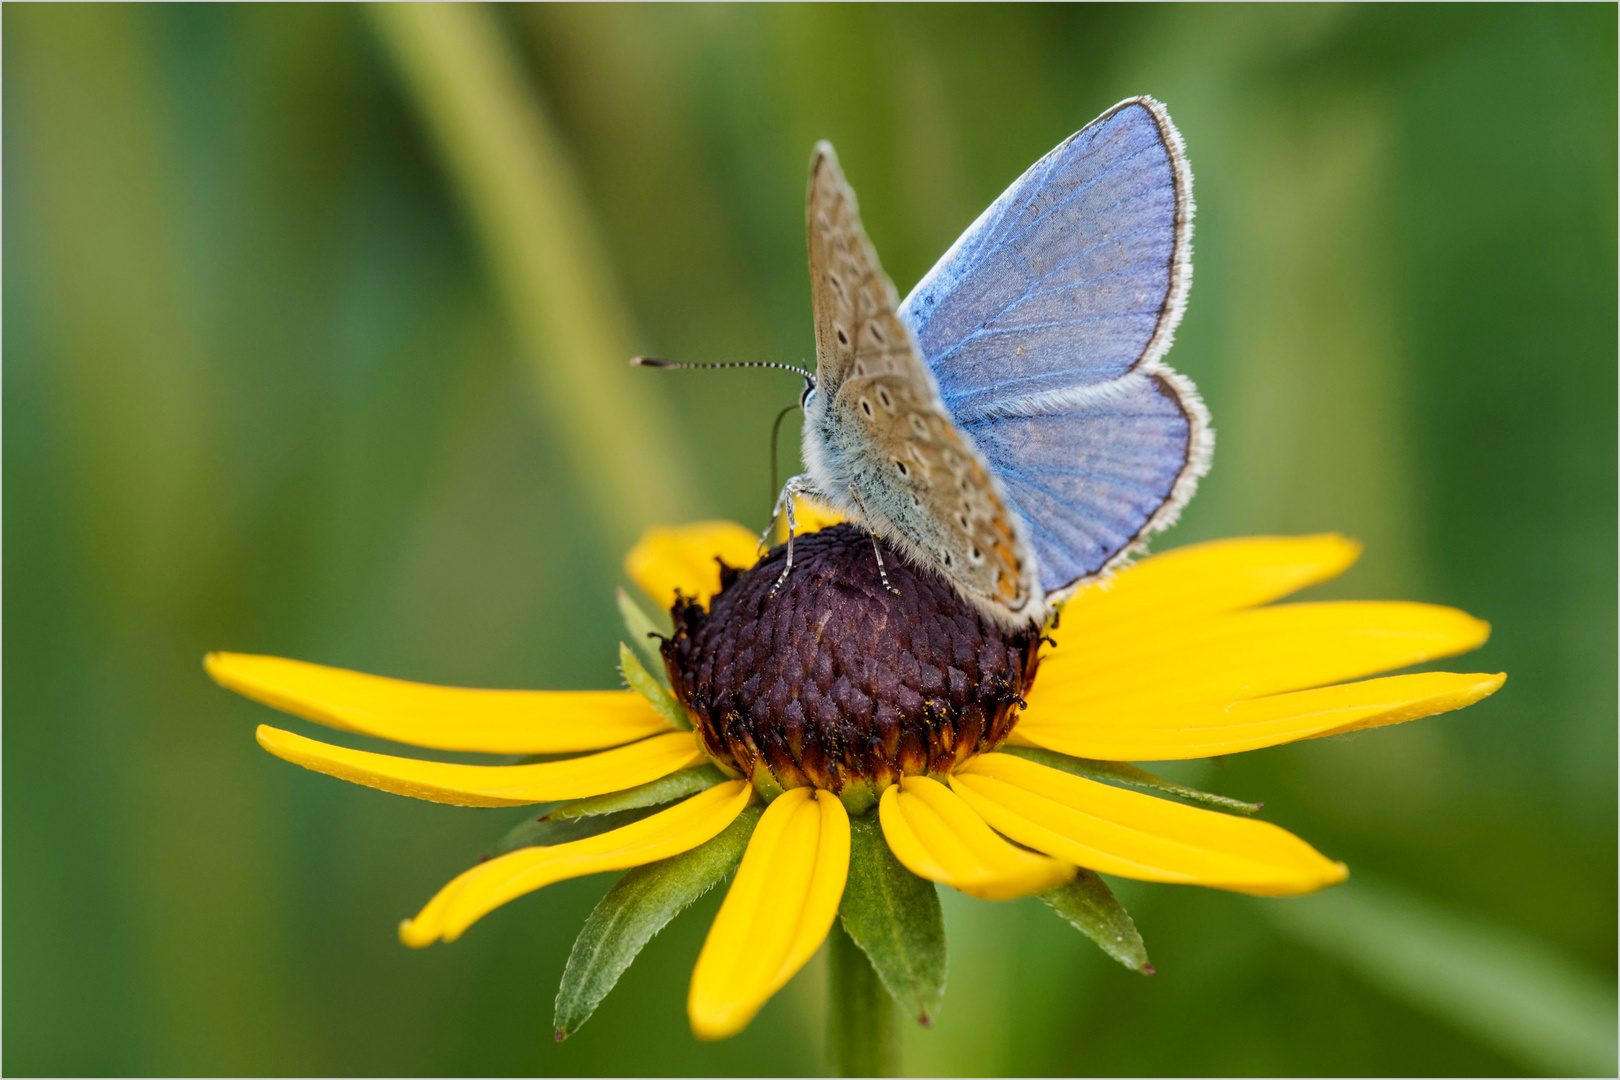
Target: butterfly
x=1010 y=424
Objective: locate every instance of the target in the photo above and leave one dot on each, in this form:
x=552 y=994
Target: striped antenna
x=655 y=362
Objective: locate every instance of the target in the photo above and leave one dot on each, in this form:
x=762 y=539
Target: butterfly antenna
x=775 y=430
x=655 y=362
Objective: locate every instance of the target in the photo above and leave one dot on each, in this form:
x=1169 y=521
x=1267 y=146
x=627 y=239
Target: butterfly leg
x=770 y=526
x=796 y=485
x=787 y=567
x=881 y=572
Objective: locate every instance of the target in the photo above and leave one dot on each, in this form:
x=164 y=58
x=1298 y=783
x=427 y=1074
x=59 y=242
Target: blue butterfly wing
x=1087 y=477
x=1044 y=324
x=1066 y=279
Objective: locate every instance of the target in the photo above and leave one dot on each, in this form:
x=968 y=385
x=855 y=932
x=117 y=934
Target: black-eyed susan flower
x=840 y=745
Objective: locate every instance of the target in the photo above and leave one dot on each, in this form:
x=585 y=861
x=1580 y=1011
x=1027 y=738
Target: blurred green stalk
x=526 y=206
x=863 y=1037
x=1506 y=990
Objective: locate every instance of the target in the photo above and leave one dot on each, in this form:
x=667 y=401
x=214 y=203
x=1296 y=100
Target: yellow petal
x=1138 y=836
x=682 y=558
x=1201 y=580
x=776 y=913
x=1400 y=698
x=440 y=717
x=491 y=785
x=939 y=837
x=1227 y=658
x=1160 y=734
x=476 y=892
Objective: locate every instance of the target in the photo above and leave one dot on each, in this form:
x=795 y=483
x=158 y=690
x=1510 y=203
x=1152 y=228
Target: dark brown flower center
x=838 y=682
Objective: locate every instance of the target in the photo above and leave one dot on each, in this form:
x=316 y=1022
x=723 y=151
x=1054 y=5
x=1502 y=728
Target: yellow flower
x=1181 y=656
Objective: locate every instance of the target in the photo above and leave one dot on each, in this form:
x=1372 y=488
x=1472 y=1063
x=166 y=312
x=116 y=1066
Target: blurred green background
x=288 y=369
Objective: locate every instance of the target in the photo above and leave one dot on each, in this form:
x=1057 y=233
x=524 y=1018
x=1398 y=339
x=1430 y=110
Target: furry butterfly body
x=1011 y=424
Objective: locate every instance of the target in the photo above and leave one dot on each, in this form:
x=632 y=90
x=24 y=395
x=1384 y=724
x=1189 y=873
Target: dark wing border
x=1200 y=450
x=1175 y=297
x=1200 y=435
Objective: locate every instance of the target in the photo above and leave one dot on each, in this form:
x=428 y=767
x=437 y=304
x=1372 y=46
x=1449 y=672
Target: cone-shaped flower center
x=839 y=683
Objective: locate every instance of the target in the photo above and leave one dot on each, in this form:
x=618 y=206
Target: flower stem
x=862 y=1035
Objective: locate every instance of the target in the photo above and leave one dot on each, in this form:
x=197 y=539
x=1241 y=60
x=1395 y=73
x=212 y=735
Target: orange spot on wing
x=1007 y=584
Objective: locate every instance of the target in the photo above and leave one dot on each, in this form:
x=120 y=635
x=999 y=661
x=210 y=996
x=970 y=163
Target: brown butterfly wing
x=887 y=444
x=857 y=329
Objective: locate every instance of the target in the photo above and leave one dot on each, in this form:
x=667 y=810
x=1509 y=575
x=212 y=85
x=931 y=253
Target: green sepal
x=643 y=631
x=859 y=797
x=1123 y=772
x=637 y=907
x=895 y=917
x=676 y=785
x=548 y=831
x=1088 y=904
x=650 y=688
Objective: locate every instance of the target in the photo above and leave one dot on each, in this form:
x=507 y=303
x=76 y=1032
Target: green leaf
x=1088 y=904
x=894 y=916
x=545 y=832
x=644 y=632
x=664 y=789
x=651 y=689
x=1123 y=772
x=637 y=907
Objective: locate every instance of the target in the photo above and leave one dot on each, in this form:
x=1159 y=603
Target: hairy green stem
x=862 y=1035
